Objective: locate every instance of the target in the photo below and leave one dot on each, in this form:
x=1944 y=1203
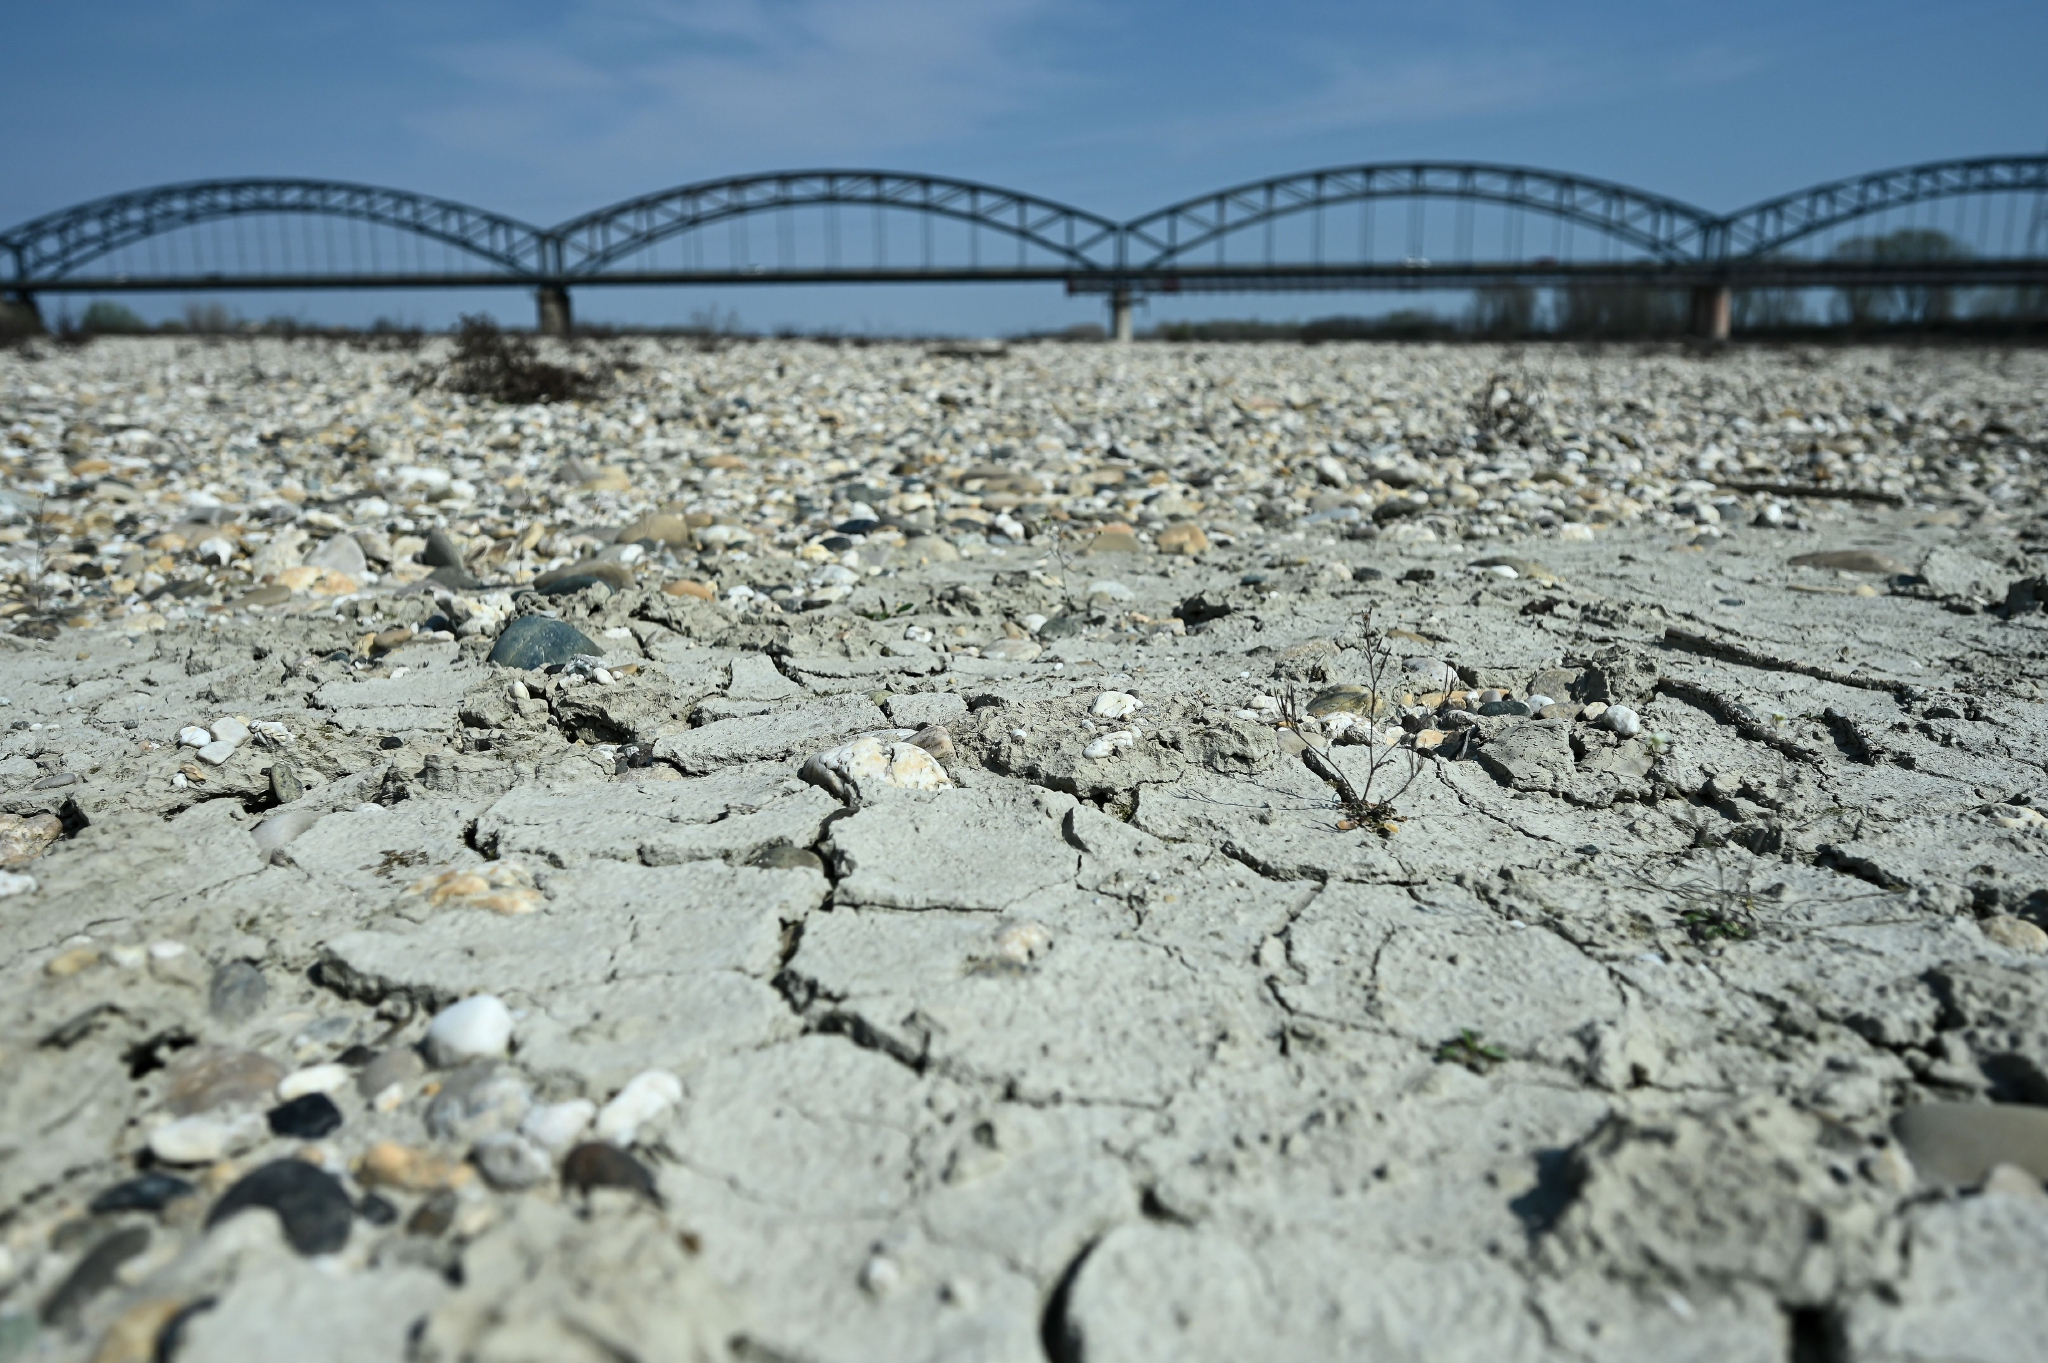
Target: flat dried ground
x=1699 y=1014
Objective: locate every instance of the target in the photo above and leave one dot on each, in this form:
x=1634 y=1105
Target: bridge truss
x=1411 y=225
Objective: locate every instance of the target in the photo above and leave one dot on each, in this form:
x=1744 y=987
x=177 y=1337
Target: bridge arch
x=1665 y=229
x=56 y=244
x=1774 y=225
x=596 y=242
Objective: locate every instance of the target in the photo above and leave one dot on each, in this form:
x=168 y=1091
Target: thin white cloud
x=646 y=92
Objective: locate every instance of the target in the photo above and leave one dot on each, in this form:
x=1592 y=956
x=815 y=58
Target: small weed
x=885 y=611
x=490 y=363
x=1470 y=1049
x=1364 y=807
x=1716 y=925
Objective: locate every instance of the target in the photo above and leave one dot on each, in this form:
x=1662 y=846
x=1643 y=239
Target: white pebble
x=1113 y=705
x=328 y=1078
x=478 y=1028
x=1113 y=742
x=13 y=883
x=1622 y=720
x=556 y=1126
x=602 y=676
x=217 y=752
x=192 y=736
x=646 y=1096
x=206 y=1138
x=517 y=691
x=128 y=956
x=228 y=729
x=1033 y=622
x=166 y=951
x=880 y=1276
x=1537 y=702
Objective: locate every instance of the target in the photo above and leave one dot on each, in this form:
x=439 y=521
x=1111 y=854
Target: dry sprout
x=1367 y=804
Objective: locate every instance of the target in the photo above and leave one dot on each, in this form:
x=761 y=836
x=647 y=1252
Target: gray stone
x=237 y=992
x=534 y=641
x=1960 y=1143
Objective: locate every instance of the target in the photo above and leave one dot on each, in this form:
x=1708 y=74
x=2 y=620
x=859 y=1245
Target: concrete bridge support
x=555 y=317
x=1712 y=305
x=1120 y=316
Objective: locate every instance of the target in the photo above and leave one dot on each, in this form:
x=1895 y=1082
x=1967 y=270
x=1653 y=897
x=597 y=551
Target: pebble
x=880 y=1276
x=534 y=641
x=1511 y=708
x=13 y=883
x=1851 y=561
x=1538 y=702
x=237 y=992
x=873 y=761
x=310 y=1203
x=1622 y=720
x=478 y=1028
x=1013 y=650
x=441 y=551
x=783 y=857
x=1114 y=542
x=646 y=1096
x=205 y=1138
x=1959 y=1143
x=1108 y=589
x=509 y=1160
x=285 y=786
x=2015 y=934
x=328 y=1078
x=388 y=1164
x=1431 y=672
x=22 y=840
x=1183 y=537
x=477 y=1100
x=203 y=1080
x=192 y=736
x=1109 y=744
x=556 y=1126
x=217 y=752
x=386 y=1078
x=1023 y=943
x=595 y=1164
x=229 y=730
x=282 y=827
x=503 y=887
x=1114 y=705
x=308 y=1117
x=150 y=1192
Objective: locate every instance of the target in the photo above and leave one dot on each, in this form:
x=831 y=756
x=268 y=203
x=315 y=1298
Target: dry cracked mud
x=366 y=998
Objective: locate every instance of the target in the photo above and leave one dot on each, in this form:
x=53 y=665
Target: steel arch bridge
x=1404 y=225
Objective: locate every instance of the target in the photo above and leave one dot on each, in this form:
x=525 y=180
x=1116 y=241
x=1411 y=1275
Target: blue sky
x=546 y=110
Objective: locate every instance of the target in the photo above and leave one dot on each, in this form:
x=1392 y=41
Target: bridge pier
x=1120 y=316
x=1712 y=305
x=555 y=317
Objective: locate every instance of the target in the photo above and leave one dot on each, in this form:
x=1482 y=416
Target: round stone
x=555 y=1126
x=237 y=992
x=206 y=1138
x=646 y=1096
x=534 y=641
x=594 y=1164
x=305 y=1118
x=1114 y=705
x=1622 y=720
x=478 y=1028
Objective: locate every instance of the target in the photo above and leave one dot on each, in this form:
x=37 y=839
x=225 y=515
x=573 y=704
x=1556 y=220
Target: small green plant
x=1705 y=925
x=885 y=611
x=1472 y=1050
